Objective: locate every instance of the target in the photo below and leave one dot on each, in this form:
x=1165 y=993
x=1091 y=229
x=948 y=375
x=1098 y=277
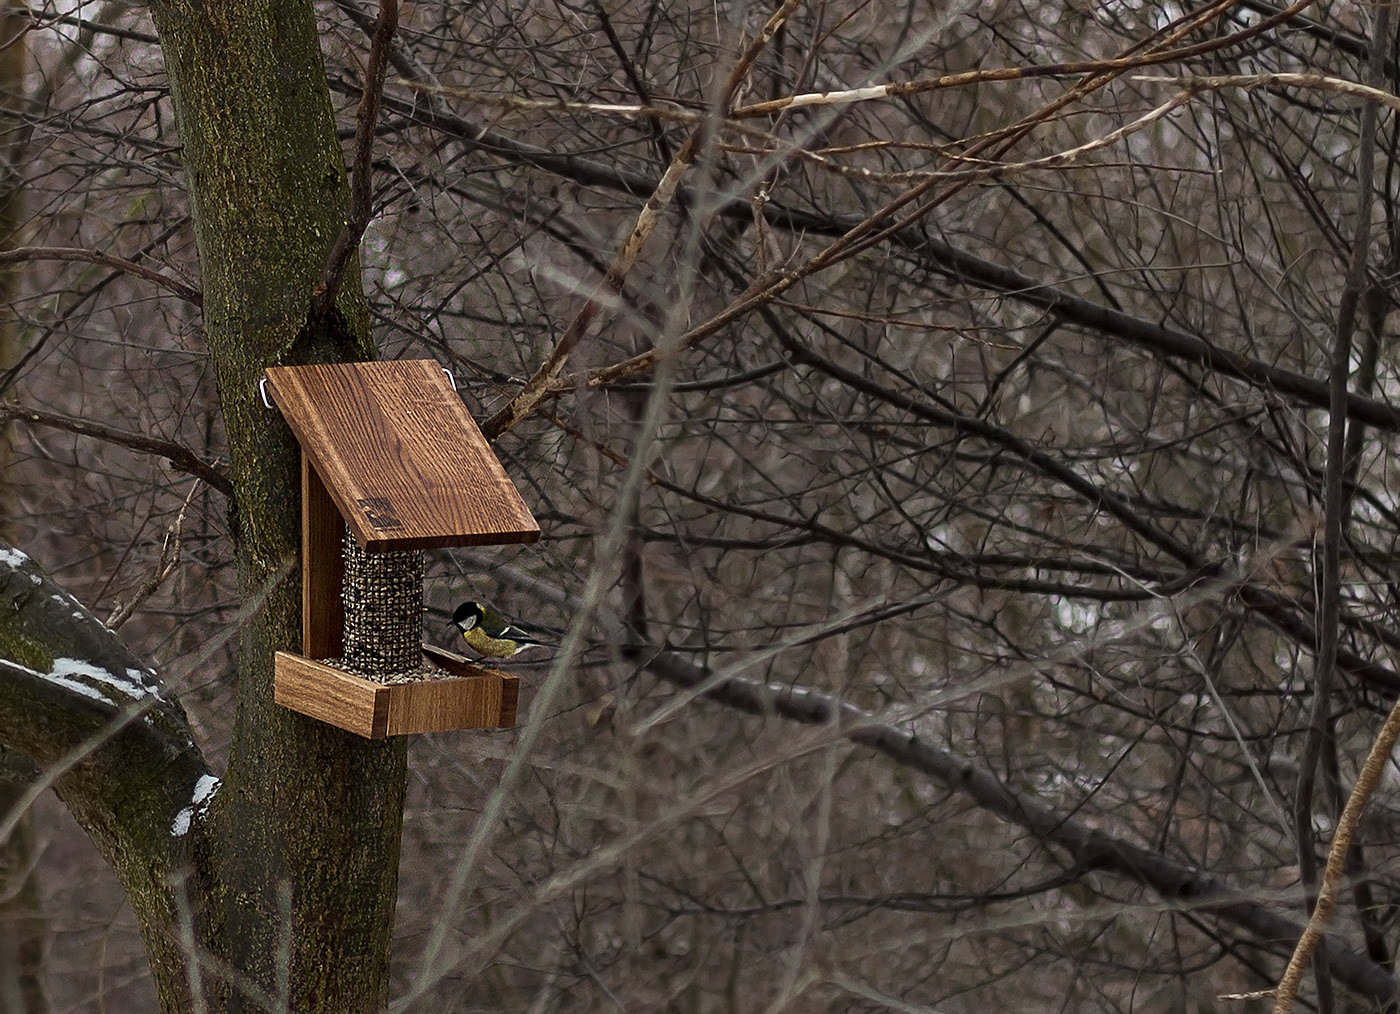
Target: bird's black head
x=468 y=615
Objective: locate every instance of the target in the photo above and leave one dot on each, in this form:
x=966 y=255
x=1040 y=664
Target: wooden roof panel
x=400 y=455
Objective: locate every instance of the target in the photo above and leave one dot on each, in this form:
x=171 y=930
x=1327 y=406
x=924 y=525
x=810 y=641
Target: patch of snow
x=76 y=687
x=204 y=789
x=145 y=678
x=133 y=689
x=132 y=686
x=13 y=558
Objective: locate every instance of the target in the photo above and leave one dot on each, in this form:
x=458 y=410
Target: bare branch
x=1337 y=506
x=165 y=566
x=24 y=254
x=366 y=116
x=177 y=454
x=1088 y=845
x=924 y=251
x=1251 y=82
x=869 y=93
x=1347 y=825
x=537 y=387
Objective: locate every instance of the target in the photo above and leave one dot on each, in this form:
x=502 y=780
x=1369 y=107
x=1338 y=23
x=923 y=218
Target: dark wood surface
x=402 y=459
x=323 y=569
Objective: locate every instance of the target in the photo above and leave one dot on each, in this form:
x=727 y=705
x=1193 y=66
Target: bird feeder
x=389 y=455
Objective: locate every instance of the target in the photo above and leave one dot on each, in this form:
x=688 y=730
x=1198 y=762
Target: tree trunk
x=21 y=914
x=309 y=817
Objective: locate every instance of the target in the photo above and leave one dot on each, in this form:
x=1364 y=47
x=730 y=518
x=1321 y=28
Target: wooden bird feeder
x=389 y=452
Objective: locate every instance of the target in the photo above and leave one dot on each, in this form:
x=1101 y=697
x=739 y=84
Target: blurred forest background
x=994 y=406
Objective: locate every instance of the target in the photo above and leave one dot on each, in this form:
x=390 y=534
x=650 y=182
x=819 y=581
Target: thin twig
x=1252 y=82
x=964 y=79
x=519 y=104
x=177 y=454
x=537 y=388
x=348 y=241
x=1316 y=928
x=974 y=169
x=24 y=254
x=169 y=560
x=1336 y=504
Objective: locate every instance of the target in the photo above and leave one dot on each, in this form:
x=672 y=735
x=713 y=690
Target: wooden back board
x=400 y=456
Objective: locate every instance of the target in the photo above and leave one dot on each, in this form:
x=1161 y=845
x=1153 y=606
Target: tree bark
x=307 y=809
x=90 y=718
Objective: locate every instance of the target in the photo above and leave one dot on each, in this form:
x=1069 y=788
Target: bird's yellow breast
x=496 y=647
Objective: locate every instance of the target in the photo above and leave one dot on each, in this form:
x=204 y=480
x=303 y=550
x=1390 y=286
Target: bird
x=490 y=633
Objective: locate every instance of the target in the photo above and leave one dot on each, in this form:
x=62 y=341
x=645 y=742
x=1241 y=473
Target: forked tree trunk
x=306 y=812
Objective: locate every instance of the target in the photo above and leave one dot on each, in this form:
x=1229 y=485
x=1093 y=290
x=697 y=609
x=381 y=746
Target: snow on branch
x=46 y=634
x=89 y=714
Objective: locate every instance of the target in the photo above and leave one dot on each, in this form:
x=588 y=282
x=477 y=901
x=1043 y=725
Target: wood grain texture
x=478 y=699
x=440 y=705
x=403 y=460
x=510 y=683
x=323 y=569
x=328 y=695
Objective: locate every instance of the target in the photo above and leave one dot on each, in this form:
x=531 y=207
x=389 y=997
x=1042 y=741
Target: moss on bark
x=305 y=807
x=85 y=711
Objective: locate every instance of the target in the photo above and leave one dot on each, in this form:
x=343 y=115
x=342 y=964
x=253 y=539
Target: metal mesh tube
x=383 y=610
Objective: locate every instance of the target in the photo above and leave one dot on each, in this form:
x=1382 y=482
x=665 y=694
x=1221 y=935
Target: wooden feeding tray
x=477 y=699
x=389 y=451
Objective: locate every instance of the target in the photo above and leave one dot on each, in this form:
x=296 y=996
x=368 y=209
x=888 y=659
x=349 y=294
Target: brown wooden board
x=401 y=457
x=327 y=694
x=510 y=683
x=478 y=699
x=322 y=569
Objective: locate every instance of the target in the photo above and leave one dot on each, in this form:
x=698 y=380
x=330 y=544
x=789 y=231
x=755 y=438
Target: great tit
x=490 y=633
